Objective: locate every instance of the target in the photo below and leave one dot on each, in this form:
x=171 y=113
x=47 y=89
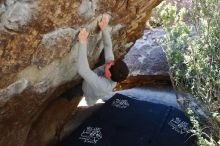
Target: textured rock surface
x=147 y=57
x=147 y=62
x=81 y=114
x=37 y=63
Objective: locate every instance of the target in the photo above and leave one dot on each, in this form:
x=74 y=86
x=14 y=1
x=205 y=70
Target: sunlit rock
x=38 y=48
x=147 y=62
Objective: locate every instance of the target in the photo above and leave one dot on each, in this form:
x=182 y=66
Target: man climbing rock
x=100 y=82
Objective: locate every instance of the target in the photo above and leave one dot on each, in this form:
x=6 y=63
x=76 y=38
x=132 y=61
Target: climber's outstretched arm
x=82 y=65
x=109 y=56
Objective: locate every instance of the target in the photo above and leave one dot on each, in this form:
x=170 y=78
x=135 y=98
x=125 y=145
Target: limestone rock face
x=147 y=62
x=147 y=56
x=38 y=50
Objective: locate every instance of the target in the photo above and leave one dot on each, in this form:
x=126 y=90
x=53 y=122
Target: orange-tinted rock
x=145 y=81
x=38 y=48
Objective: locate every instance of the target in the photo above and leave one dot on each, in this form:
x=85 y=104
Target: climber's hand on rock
x=83 y=36
x=104 y=22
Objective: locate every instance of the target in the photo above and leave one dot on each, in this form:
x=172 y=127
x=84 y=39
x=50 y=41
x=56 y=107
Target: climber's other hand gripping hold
x=83 y=36
x=104 y=22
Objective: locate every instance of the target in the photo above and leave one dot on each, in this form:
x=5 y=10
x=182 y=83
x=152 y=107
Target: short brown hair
x=119 y=71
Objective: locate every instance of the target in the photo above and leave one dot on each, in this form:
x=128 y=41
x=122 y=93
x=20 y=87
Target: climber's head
x=116 y=71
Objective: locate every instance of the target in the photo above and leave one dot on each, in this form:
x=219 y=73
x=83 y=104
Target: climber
x=100 y=82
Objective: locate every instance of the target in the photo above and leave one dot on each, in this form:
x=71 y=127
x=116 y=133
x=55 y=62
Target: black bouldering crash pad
x=123 y=121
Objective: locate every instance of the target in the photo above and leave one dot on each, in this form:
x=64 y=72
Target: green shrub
x=195 y=61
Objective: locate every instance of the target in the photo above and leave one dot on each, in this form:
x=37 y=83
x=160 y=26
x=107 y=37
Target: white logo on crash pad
x=120 y=103
x=179 y=125
x=91 y=135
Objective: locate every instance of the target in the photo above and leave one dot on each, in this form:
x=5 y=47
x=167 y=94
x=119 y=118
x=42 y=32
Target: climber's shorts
x=123 y=121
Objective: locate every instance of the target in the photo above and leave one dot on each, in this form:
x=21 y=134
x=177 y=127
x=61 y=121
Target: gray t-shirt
x=95 y=85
